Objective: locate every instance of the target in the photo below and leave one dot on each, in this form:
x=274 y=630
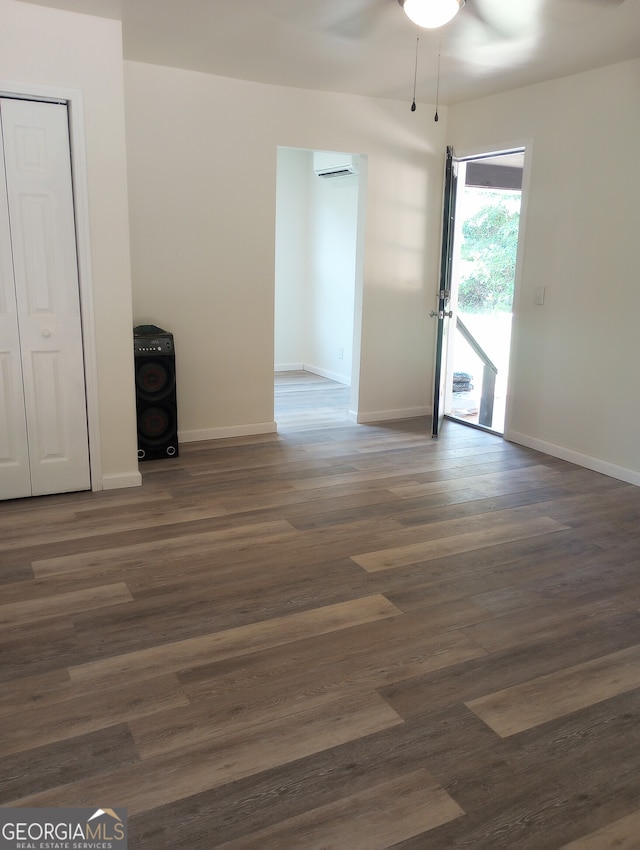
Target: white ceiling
x=368 y=47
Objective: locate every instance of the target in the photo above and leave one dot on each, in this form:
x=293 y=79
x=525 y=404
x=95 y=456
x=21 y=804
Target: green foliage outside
x=488 y=252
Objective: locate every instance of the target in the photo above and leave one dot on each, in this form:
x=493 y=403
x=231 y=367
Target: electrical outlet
x=341 y=353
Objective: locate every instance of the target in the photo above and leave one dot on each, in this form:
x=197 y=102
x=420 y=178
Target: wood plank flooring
x=336 y=636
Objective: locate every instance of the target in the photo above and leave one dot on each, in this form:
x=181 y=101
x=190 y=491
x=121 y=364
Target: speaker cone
x=155 y=378
x=156 y=424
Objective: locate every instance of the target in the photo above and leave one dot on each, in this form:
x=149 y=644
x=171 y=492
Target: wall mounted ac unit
x=332 y=164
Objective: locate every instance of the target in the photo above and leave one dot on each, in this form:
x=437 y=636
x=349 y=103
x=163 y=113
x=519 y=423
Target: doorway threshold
x=471 y=424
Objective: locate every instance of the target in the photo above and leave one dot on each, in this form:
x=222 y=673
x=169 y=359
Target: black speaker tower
x=156 y=404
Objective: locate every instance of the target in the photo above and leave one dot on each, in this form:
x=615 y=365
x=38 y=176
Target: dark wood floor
x=337 y=636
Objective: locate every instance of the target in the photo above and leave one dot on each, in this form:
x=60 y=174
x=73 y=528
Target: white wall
x=202 y=177
x=315 y=272
x=54 y=49
x=293 y=211
x=334 y=233
x=573 y=382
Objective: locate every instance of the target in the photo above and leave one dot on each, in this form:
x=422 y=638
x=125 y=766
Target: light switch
x=538 y=296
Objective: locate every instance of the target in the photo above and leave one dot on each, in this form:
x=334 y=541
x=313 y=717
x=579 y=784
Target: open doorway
x=318 y=221
x=487 y=219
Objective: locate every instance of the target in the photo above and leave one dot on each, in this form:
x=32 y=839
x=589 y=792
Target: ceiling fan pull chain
x=415 y=72
x=435 y=117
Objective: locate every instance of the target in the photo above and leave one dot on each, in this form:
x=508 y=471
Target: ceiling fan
x=431 y=14
x=435 y=14
x=360 y=16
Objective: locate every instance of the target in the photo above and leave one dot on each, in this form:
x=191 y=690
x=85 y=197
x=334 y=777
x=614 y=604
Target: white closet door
x=40 y=201
x=15 y=479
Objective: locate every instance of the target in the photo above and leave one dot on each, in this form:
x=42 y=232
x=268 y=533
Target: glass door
x=481 y=215
x=483 y=286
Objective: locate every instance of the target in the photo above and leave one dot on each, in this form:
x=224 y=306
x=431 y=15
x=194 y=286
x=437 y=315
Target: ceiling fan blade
x=509 y=18
x=360 y=21
x=489 y=22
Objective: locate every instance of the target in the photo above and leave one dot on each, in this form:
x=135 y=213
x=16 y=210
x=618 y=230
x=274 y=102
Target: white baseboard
x=121 y=479
x=288 y=367
x=230 y=431
x=325 y=373
x=594 y=463
x=315 y=370
x=387 y=415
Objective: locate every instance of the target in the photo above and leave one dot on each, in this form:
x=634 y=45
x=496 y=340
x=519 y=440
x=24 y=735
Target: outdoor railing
x=489 y=372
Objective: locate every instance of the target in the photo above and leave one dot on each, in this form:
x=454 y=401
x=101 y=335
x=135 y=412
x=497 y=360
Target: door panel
x=15 y=480
x=40 y=202
x=442 y=314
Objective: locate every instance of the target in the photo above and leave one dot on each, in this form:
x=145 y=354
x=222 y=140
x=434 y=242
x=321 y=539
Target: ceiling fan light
x=431 y=14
